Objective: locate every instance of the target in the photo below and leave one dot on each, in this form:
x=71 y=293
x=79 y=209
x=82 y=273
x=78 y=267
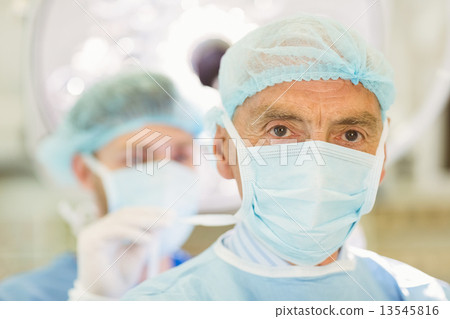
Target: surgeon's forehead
x=300 y=100
x=149 y=135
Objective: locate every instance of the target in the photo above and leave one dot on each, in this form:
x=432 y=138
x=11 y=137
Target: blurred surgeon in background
x=128 y=140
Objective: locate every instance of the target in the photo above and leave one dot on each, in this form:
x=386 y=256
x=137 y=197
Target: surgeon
x=128 y=140
x=303 y=133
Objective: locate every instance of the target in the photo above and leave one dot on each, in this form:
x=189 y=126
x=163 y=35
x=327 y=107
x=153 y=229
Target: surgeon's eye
x=352 y=136
x=181 y=158
x=280 y=131
x=182 y=154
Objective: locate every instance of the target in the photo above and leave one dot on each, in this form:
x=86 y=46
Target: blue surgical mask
x=302 y=200
x=172 y=187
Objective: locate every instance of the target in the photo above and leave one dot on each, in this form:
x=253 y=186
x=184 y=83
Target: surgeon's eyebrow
x=364 y=119
x=277 y=114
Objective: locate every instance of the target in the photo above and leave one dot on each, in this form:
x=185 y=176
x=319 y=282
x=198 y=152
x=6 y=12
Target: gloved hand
x=113 y=253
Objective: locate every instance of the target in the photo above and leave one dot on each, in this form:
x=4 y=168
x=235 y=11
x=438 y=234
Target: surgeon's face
x=333 y=111
x=114 y=155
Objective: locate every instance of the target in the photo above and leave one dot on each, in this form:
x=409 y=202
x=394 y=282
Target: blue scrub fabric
x=52 y=282
x=218 y=274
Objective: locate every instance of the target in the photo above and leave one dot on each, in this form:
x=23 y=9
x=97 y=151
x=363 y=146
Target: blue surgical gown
x=53 y=281
x=219 y=274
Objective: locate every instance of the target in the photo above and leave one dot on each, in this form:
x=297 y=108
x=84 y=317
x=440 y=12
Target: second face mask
x=172 y=188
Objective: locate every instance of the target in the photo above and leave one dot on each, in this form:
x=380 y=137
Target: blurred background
x=53 y=50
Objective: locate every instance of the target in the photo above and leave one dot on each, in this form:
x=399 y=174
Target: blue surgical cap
x=302 y=48
x=113 y=107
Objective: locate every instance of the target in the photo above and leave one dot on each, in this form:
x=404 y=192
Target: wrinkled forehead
x=333 y=94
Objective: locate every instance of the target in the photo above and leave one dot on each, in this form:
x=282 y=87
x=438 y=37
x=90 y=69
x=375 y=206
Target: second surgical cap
x=118 y=105
x=302 y=48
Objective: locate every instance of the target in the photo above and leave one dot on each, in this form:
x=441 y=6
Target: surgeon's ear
x=82 y=172
x=383 y=171
x=221 y=151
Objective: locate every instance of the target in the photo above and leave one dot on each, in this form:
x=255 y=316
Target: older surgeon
x=305 y=101
x=133 y=235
